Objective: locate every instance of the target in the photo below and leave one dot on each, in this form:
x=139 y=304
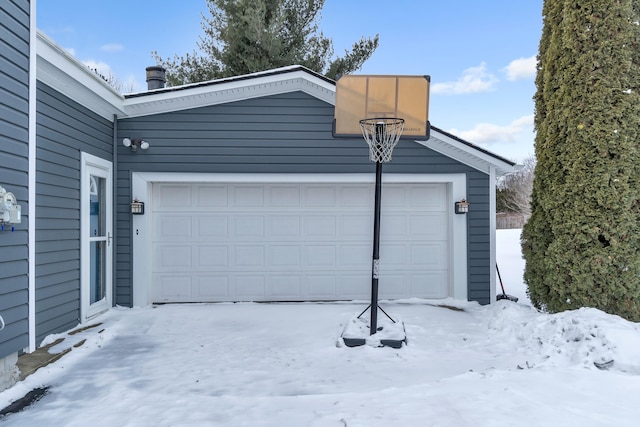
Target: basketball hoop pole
x=381 y=134
x=373 y=325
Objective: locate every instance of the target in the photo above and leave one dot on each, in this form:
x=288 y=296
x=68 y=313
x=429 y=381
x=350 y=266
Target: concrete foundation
x=9 y=372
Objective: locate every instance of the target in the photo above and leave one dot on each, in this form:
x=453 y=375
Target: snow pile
x=587 y=337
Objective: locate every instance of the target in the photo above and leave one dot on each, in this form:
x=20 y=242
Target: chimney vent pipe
x=156 y=77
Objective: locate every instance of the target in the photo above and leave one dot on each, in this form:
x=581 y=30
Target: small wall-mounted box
x=10 y=210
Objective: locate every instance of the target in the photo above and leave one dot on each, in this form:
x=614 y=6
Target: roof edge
x=266 y=73
x=467 y=153
x=476 y=147
x=59 y=69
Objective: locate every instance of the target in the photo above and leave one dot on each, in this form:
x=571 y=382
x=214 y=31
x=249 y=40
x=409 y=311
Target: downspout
x=114 y=231
x=31 y=232
x=492 y=233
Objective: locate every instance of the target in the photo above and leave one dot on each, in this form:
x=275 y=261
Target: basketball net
x=382 y=135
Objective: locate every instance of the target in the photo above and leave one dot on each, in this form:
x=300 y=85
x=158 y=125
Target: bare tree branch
x=514 y=189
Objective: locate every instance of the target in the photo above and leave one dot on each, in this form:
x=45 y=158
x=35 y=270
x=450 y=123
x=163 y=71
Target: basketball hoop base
x=389 y=334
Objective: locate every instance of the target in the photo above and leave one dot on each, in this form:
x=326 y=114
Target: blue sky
x=480 y=54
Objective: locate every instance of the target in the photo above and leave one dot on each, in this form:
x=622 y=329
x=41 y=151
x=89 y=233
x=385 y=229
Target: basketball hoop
x=382 y=135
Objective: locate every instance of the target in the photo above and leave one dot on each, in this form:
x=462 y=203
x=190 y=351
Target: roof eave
x=467 y=153
x=59 y=69
x=287 y=79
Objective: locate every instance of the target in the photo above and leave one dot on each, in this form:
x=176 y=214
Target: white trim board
x=141 y=224
x=32 y=178
x=465 y=154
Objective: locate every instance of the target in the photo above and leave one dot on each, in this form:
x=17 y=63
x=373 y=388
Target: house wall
x=287 y=133
x=14 y=166
x=478 y=237
x=64 y=130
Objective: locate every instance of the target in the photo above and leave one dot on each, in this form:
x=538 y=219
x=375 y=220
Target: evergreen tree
x=246 y=36
x=582 y=242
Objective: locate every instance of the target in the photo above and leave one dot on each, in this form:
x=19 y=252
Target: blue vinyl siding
x=287 y=133
x=14 y=167
x=64 y=130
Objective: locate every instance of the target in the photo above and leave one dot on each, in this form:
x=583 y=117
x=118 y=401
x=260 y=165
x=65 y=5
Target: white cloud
x=522 y=68
x=131 y=84
x=473 y=80
x=112 y=47
x=486 y=133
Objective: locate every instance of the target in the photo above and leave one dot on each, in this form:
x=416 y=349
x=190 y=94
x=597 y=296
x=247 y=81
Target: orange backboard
x=369 y=96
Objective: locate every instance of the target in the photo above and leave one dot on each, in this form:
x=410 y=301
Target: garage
x=295 y=241
x=249 y=196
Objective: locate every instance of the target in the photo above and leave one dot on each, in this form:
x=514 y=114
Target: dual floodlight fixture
x=134 y=144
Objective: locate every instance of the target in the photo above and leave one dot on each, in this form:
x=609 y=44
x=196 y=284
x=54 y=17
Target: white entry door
x=96 y=235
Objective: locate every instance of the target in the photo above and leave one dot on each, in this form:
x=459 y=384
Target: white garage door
x=295 y=242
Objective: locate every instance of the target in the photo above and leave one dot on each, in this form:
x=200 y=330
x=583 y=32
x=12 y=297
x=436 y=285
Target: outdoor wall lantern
x=135 y=143
x=462 y=207
x=137 y=207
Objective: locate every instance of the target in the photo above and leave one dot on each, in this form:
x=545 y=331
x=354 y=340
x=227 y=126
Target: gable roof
x=255 y=85
x=60 y=70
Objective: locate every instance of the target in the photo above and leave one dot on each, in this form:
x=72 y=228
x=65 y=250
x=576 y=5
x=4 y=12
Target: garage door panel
x=285 y=256
x=432 y=285
x=248 y=227
x=393 y=226
x=320 y=227
x=357 y=227
x=320 y=196
x=393 y=285
x=284 y=196
x=394 y=255
x=248 y=256
x=212 y=258
x=427 y=196
x=320 y=286
x=173 y=257
x=211 y=196
x=247 y=196
x=354 y=255
x=356 y=196
x=428 y=226
x=354 y=286
x=174 y=196
x=284 y=227
x=172 y=287
x=260 y=242
x=249 y=287
x=286 y=287
x=393 y=197
x=320 y=255
x=428 y=256
x=213 y=287
x=172 y=227
x=211 y=227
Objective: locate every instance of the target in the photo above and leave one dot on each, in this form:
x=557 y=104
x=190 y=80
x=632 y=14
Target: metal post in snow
x=375 y=270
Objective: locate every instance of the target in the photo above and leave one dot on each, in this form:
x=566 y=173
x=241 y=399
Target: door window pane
x=97 y=286
x=97 y=203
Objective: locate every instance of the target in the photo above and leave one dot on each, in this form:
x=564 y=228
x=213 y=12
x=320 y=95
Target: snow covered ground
x=283 y=365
